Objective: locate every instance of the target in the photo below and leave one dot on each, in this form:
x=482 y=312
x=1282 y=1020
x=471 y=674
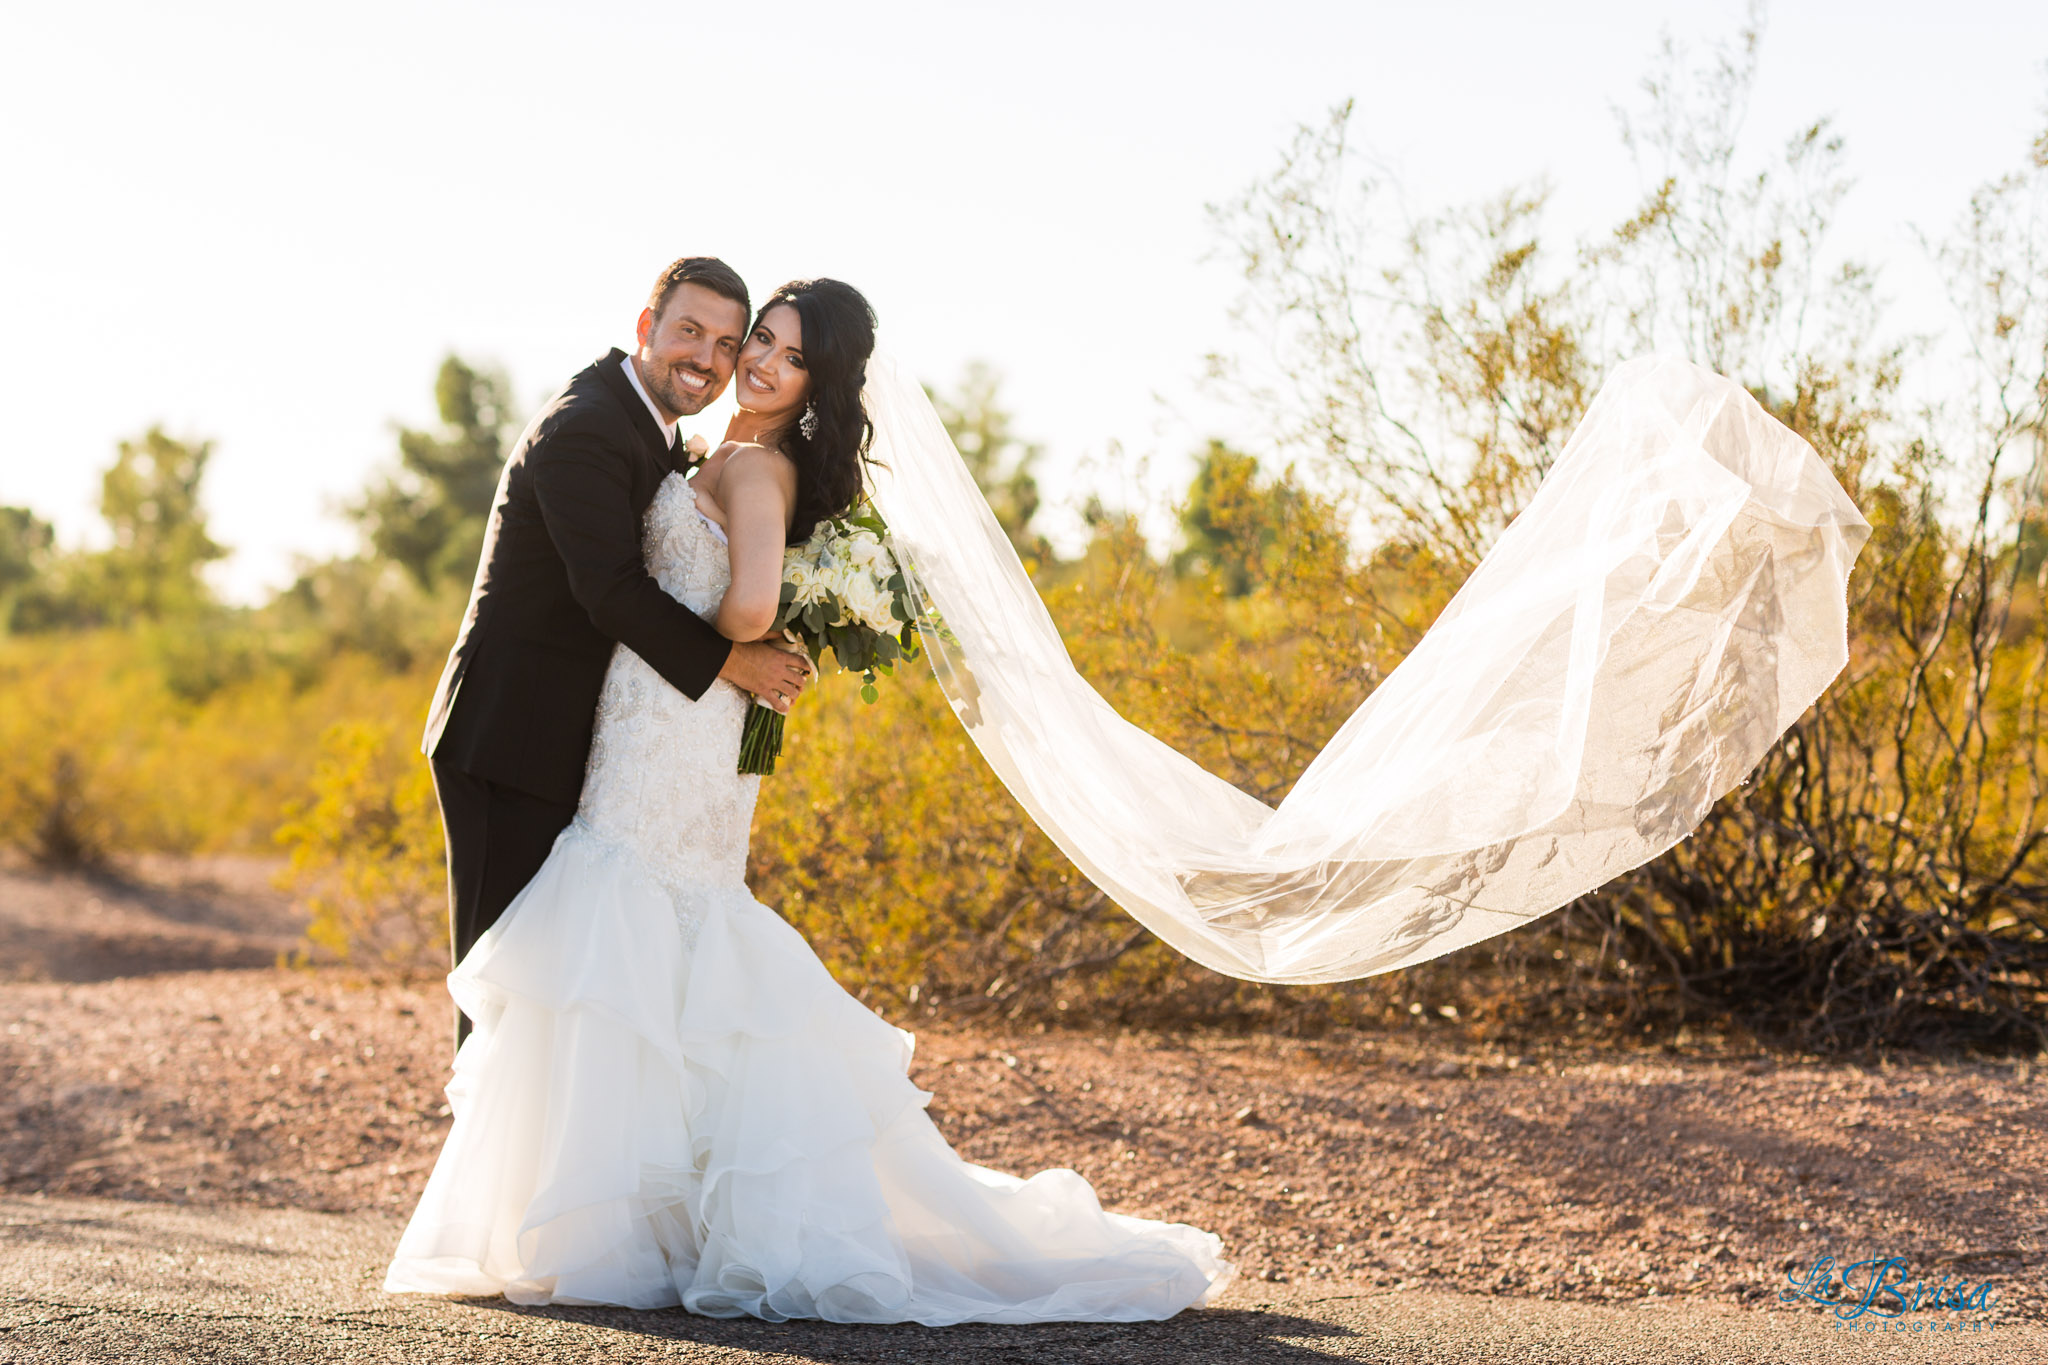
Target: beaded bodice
x=663 y=780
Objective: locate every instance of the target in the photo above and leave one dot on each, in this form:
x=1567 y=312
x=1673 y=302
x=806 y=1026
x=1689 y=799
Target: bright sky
x=265 y=223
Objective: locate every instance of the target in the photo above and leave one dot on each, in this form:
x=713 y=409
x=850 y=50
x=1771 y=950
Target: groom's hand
x=773 y=673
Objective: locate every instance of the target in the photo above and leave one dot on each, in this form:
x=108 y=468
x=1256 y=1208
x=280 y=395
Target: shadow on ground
x=146 y=916
x=1252 y=1336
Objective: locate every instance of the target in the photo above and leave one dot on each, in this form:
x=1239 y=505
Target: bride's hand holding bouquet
x=842 y=590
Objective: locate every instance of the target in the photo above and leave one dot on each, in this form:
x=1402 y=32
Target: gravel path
x=93 y=1280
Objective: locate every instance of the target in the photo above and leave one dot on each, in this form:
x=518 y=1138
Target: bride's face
x=771 y=374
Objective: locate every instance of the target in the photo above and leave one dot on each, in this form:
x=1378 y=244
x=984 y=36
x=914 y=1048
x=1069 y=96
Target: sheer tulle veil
x=1666 y=606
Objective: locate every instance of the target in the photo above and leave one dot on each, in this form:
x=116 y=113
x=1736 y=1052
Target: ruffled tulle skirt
x=668 y=1100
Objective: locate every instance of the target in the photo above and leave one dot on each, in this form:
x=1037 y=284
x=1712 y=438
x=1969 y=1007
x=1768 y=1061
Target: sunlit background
x=267 y=224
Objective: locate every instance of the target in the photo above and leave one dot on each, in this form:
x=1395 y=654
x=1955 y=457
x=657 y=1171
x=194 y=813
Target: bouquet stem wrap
x=761 y=739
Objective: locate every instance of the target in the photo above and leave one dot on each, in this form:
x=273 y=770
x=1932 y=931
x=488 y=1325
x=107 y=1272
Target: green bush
x=367 y=851
x=109 y=744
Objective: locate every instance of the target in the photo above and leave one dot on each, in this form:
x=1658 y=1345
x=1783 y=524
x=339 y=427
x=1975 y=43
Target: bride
x=667 y=1099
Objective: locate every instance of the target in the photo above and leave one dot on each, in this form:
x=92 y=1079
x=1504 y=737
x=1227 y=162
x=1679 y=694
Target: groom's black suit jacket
x=561 y=580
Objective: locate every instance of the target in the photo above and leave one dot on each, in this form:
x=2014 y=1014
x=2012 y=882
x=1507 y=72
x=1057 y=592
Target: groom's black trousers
x=498 y=837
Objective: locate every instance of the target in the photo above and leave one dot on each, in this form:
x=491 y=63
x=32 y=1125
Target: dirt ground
x=1393 y=1163
x=152 y=915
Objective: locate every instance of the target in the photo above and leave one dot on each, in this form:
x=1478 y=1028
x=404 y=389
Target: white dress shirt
x=668 y=427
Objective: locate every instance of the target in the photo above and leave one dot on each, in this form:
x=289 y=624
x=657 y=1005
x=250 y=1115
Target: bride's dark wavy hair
x=838 y=337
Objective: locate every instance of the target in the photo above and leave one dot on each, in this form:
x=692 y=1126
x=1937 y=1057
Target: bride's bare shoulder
x=741 y=462
x=751 y=451
x=749 y=460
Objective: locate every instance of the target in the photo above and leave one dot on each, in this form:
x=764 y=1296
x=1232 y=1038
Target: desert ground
x=205 y=1155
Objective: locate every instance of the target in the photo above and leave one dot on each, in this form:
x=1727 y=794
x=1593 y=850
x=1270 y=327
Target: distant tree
x=1000 y=462
x=429 y=516
x=26 y=541
x=153 y=571
x=149 y=499
x=1232 y=522
x=362 y=605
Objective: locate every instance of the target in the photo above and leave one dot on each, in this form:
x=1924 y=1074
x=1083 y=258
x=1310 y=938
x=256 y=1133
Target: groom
x=562 y=580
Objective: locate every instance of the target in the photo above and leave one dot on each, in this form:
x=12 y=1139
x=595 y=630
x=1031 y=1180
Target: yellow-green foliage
x=890 y=844
x=367 y=850
x=101 y=750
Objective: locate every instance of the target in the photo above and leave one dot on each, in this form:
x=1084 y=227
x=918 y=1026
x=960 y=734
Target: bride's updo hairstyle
x=839 y=336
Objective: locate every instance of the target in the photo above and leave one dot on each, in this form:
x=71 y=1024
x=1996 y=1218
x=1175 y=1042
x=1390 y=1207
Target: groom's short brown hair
x=707 y=272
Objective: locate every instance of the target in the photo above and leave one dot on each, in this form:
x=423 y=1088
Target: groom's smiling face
x=688 y=351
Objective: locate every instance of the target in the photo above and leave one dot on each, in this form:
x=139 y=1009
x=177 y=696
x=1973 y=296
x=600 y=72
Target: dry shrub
x=367 y=850
x=72 y=715
x=103 y=751
x=1879 y=881
x=106 y=748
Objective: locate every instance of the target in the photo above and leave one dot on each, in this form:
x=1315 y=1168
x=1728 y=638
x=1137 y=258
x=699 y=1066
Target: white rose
x=871 y=554
x=830 y=577
x=825 y=581
x=810 y=589
x=872 y=605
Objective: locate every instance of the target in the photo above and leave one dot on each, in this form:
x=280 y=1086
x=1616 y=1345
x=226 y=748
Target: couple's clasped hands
x=774 y=670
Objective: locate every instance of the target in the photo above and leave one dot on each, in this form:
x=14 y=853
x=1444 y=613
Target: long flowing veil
x=1668 y=603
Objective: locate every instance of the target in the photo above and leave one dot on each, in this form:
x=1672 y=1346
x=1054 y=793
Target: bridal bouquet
x=841 y=590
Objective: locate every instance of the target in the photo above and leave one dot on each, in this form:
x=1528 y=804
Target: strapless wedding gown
x=668 y=1100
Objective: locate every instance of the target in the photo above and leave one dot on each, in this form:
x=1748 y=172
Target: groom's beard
x=678 y=399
